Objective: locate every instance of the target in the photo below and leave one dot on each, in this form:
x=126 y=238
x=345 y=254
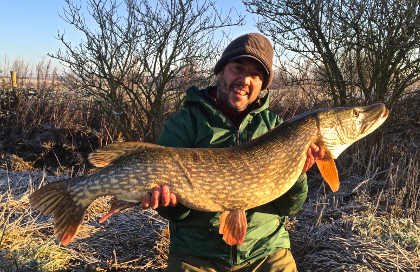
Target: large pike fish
x=228 y=180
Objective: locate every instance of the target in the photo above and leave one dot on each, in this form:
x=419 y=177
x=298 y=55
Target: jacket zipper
x=234 y=255
x=234 y=249
x=238 y=139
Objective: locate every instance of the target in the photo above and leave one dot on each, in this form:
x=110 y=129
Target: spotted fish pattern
x=228 y=180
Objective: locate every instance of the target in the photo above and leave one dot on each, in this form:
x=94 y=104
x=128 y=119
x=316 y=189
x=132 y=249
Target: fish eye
x=355 y=113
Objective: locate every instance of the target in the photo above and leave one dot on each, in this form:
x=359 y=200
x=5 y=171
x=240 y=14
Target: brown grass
x=371 y=224
x=133 y=240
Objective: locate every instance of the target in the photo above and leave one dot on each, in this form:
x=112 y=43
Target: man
x=229 y=114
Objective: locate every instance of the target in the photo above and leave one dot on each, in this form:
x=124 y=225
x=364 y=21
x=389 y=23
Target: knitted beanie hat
x=253 y=45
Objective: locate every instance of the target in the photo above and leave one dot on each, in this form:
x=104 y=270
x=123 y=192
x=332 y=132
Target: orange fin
x=329 y=172
x=55 y=200
x=233 y=226
x=116 y=207
x=113 y=152
x=68 y=234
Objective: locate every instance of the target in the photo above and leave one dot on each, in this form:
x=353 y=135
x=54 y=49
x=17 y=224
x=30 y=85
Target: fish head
x=341 y=127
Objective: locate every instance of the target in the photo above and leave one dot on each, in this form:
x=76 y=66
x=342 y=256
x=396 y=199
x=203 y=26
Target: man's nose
x=244 y=78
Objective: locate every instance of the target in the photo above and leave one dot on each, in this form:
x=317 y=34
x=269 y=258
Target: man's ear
x=220 y=73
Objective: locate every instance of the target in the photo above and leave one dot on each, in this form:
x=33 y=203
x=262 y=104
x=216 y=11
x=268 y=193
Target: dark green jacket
x=193 y=233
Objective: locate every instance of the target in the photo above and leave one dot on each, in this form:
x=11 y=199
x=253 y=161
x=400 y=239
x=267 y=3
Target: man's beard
x=224 y=91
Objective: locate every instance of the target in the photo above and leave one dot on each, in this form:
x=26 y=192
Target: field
x=371 y=224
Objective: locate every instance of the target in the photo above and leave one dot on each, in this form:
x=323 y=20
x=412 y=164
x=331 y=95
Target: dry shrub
x=289 y=102
x=52 y=128
x=29 y=108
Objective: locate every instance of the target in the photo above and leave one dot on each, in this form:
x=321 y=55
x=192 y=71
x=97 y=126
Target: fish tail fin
x=53 y=199
x=233 y=226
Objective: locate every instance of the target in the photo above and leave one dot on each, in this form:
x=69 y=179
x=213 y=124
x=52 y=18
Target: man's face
x=239 y=83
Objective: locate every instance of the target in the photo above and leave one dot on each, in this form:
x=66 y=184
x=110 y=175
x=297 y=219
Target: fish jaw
x=341 y=127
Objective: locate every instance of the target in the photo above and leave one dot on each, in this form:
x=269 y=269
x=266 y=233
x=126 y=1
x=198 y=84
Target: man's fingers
x=154 y=203
x=159 y=196
x=146 y=201
x=164 y=198
x=173 y=200
x=321 y=153
x=316 y=151
x=315 y=148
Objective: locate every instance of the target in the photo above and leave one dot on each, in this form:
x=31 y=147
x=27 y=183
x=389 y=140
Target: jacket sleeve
x=177 y=132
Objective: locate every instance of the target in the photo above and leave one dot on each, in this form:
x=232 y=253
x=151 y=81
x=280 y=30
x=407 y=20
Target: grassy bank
x=371 y=224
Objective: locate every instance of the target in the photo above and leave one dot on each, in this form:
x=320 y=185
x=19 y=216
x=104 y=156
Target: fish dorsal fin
x=110 y=153
x=329 y=172
x=233 y=226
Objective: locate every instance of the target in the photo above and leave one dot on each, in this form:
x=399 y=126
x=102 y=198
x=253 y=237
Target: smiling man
x=230 y=113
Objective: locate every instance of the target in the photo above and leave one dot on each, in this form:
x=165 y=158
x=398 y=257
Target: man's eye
x=257 y=74
x=236 y=68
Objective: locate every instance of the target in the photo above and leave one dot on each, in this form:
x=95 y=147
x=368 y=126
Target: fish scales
x=212 y=179
x=239 y=173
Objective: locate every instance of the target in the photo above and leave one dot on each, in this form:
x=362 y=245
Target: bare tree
x=360 y=49
x=135 y=52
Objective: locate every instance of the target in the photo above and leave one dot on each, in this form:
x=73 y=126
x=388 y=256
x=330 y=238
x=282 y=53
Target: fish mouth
x=374 y=115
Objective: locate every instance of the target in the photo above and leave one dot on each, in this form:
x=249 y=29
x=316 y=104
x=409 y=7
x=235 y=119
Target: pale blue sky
x=28 y=28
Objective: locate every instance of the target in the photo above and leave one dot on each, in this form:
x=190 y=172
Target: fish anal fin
x=329 y=172
x=233 y=226
x=222 y=220
x=110 y=153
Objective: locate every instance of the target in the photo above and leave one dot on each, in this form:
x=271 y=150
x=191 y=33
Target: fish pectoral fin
x=117 y=206
x=233 y=226
x=329 y=172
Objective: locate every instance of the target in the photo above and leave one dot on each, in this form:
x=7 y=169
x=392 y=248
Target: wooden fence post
x=13 y=77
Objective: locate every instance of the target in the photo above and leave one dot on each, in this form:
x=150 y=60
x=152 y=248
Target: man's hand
x=314 y=153
x=159 y=196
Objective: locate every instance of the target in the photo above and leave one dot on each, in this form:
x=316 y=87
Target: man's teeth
x=241 y=92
